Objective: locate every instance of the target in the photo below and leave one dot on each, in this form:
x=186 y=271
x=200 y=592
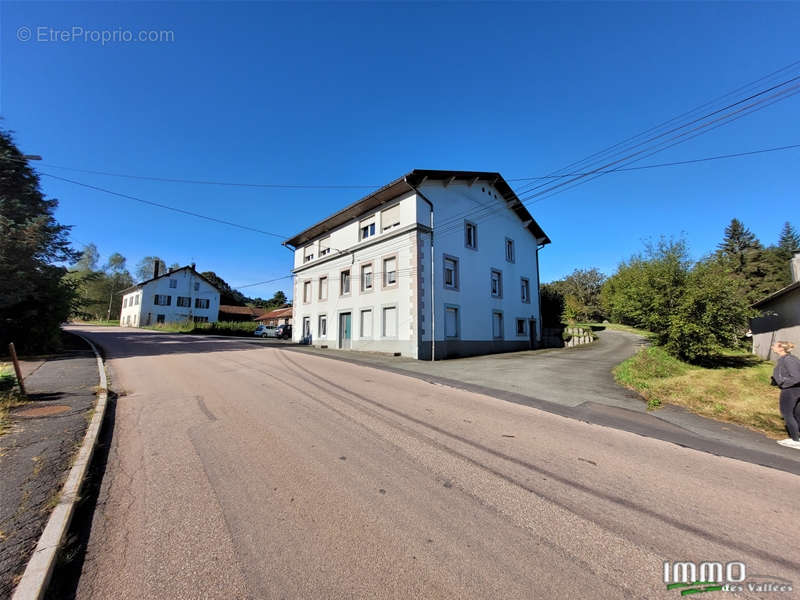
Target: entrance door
x=344 y=330
x=532 y=331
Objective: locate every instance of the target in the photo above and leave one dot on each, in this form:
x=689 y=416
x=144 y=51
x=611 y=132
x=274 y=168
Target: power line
x=166 y=207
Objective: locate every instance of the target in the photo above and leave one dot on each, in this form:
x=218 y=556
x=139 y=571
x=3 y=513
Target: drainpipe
x=433 y=275
x=539 y=291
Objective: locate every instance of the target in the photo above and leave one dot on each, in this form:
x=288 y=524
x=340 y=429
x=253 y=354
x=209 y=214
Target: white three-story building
x=179 y=295
x=373 y=277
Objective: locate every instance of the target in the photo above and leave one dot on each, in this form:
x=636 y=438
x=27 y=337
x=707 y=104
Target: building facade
x=780 y=316
x=179 y=295
x=436 y=261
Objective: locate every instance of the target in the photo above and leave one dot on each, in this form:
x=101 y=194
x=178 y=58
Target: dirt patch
x=42 y=411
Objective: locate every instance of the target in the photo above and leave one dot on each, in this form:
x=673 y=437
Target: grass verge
x=111 y=323
x=10 y=396
x=235 y=328
x=736 y=389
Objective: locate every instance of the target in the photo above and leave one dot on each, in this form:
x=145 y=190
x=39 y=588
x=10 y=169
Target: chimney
x=795 y=264
x=155 y=269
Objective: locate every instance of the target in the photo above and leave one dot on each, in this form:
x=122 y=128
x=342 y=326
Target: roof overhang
x=774 y=296
x=406 y=184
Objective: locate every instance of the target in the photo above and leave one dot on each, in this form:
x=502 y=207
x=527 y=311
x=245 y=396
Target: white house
x=372 y=277
x=780 y=316
x=179 y=295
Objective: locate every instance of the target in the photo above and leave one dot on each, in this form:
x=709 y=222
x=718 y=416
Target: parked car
x=266 y=331
x=284 y=332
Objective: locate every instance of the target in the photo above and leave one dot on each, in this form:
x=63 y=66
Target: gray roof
x=403 y=185
x=169 y=272
x=778 y=294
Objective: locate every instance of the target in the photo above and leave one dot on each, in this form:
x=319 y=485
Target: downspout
x=539 y=293
x=433 y=274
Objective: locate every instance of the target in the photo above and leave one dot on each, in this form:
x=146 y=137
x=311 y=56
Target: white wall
x=495 y=222
x=146 y=312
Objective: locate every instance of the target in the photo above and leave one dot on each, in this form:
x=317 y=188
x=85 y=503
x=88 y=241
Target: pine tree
x=738 y=239
x=789 y=241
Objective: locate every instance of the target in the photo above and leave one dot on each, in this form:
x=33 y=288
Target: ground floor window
x=497 y=325
x=366 y=323
x=306 y=327
x=389 y=324
x=323 y=325
x=161 y=318
x=451 y=322
x=201 y=319
x=521 y=327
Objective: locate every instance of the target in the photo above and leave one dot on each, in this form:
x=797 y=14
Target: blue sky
x=358 y=94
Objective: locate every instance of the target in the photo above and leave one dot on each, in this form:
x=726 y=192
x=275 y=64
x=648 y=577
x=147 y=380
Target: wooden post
x=13 y=353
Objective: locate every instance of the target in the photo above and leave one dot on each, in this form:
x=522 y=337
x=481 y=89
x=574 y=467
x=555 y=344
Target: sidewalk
x=36 y=452
x=577 y=383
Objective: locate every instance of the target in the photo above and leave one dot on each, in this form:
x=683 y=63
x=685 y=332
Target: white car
x=265 y=331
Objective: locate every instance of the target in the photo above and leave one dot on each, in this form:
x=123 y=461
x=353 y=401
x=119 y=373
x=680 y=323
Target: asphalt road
x=239 y=471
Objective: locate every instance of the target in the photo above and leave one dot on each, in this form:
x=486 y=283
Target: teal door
x=344 y=330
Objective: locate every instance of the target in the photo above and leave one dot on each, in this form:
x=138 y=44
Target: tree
x=552 y=305
x=34 y=297
x=788 y=242
x=98 y=290
x=645 y=290
x=146 y=268
x=710 y=315
x=738 y=239
x=88 y=259
x=116 y=264
x=581 y=291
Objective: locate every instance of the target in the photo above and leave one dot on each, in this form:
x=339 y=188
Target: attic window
x=367 y=229
x=390 y=218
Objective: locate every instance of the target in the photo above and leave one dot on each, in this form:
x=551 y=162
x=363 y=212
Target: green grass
x=617 y=327
x=111 y=323
x=234 y=328
x=735 y=388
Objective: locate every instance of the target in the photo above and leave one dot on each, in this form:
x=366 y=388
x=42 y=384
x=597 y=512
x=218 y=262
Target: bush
x=552 y=305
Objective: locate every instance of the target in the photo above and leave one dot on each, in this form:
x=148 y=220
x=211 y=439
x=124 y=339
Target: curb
x=37 y=574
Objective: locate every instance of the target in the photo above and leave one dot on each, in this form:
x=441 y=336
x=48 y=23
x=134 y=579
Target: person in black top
x=787 y=377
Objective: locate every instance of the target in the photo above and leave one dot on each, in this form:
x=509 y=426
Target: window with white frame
x=389 y=271
x=323 y=288
x=322 y=329
x=366 y=278
x=497 y=284
x=306 y=292
x=162 y=300
x=344 y=282
x=526 y=289
x=136 y=299
x=173 y=283
x=325 y=246
x=451 y=272
x=509 y=250
x=451 y=321
x=201 y=302
x=470 y=235
x=308 y=253
x=521 y=327
x=306 y=327
x=367 y=229
x=497 y=324
x=390 y=218
x=184 y=301
x=125 y=302
x=366 y=323
x=389 y=322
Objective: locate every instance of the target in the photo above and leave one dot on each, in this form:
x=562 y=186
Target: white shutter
x=390 y=217
x=390 y=321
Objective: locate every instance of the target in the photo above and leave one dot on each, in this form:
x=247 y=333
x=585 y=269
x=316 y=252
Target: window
x=323 y=288
x=366 y=323
x=306 y=327
x=136 y=299
x=497 y=325
x=325 y=246
x=509 y=250
x=184 y=301
x=390 y=218
x=201 y=302
x=451 y=272
x=125 y=302
x=162 y=300
x=323 y=326
x=344 y=283
x=160 y=318
x=521 y=327
x=367 y=229
x=196 y=286
x=366 y=278
x=306 y=292
x=308 y=253
x=389 y=271
x=497 y=284
x=526 y=290
x=201 y=319
x=451 y=321
x=471 y=235
x=389 y=322
x=173 y=283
